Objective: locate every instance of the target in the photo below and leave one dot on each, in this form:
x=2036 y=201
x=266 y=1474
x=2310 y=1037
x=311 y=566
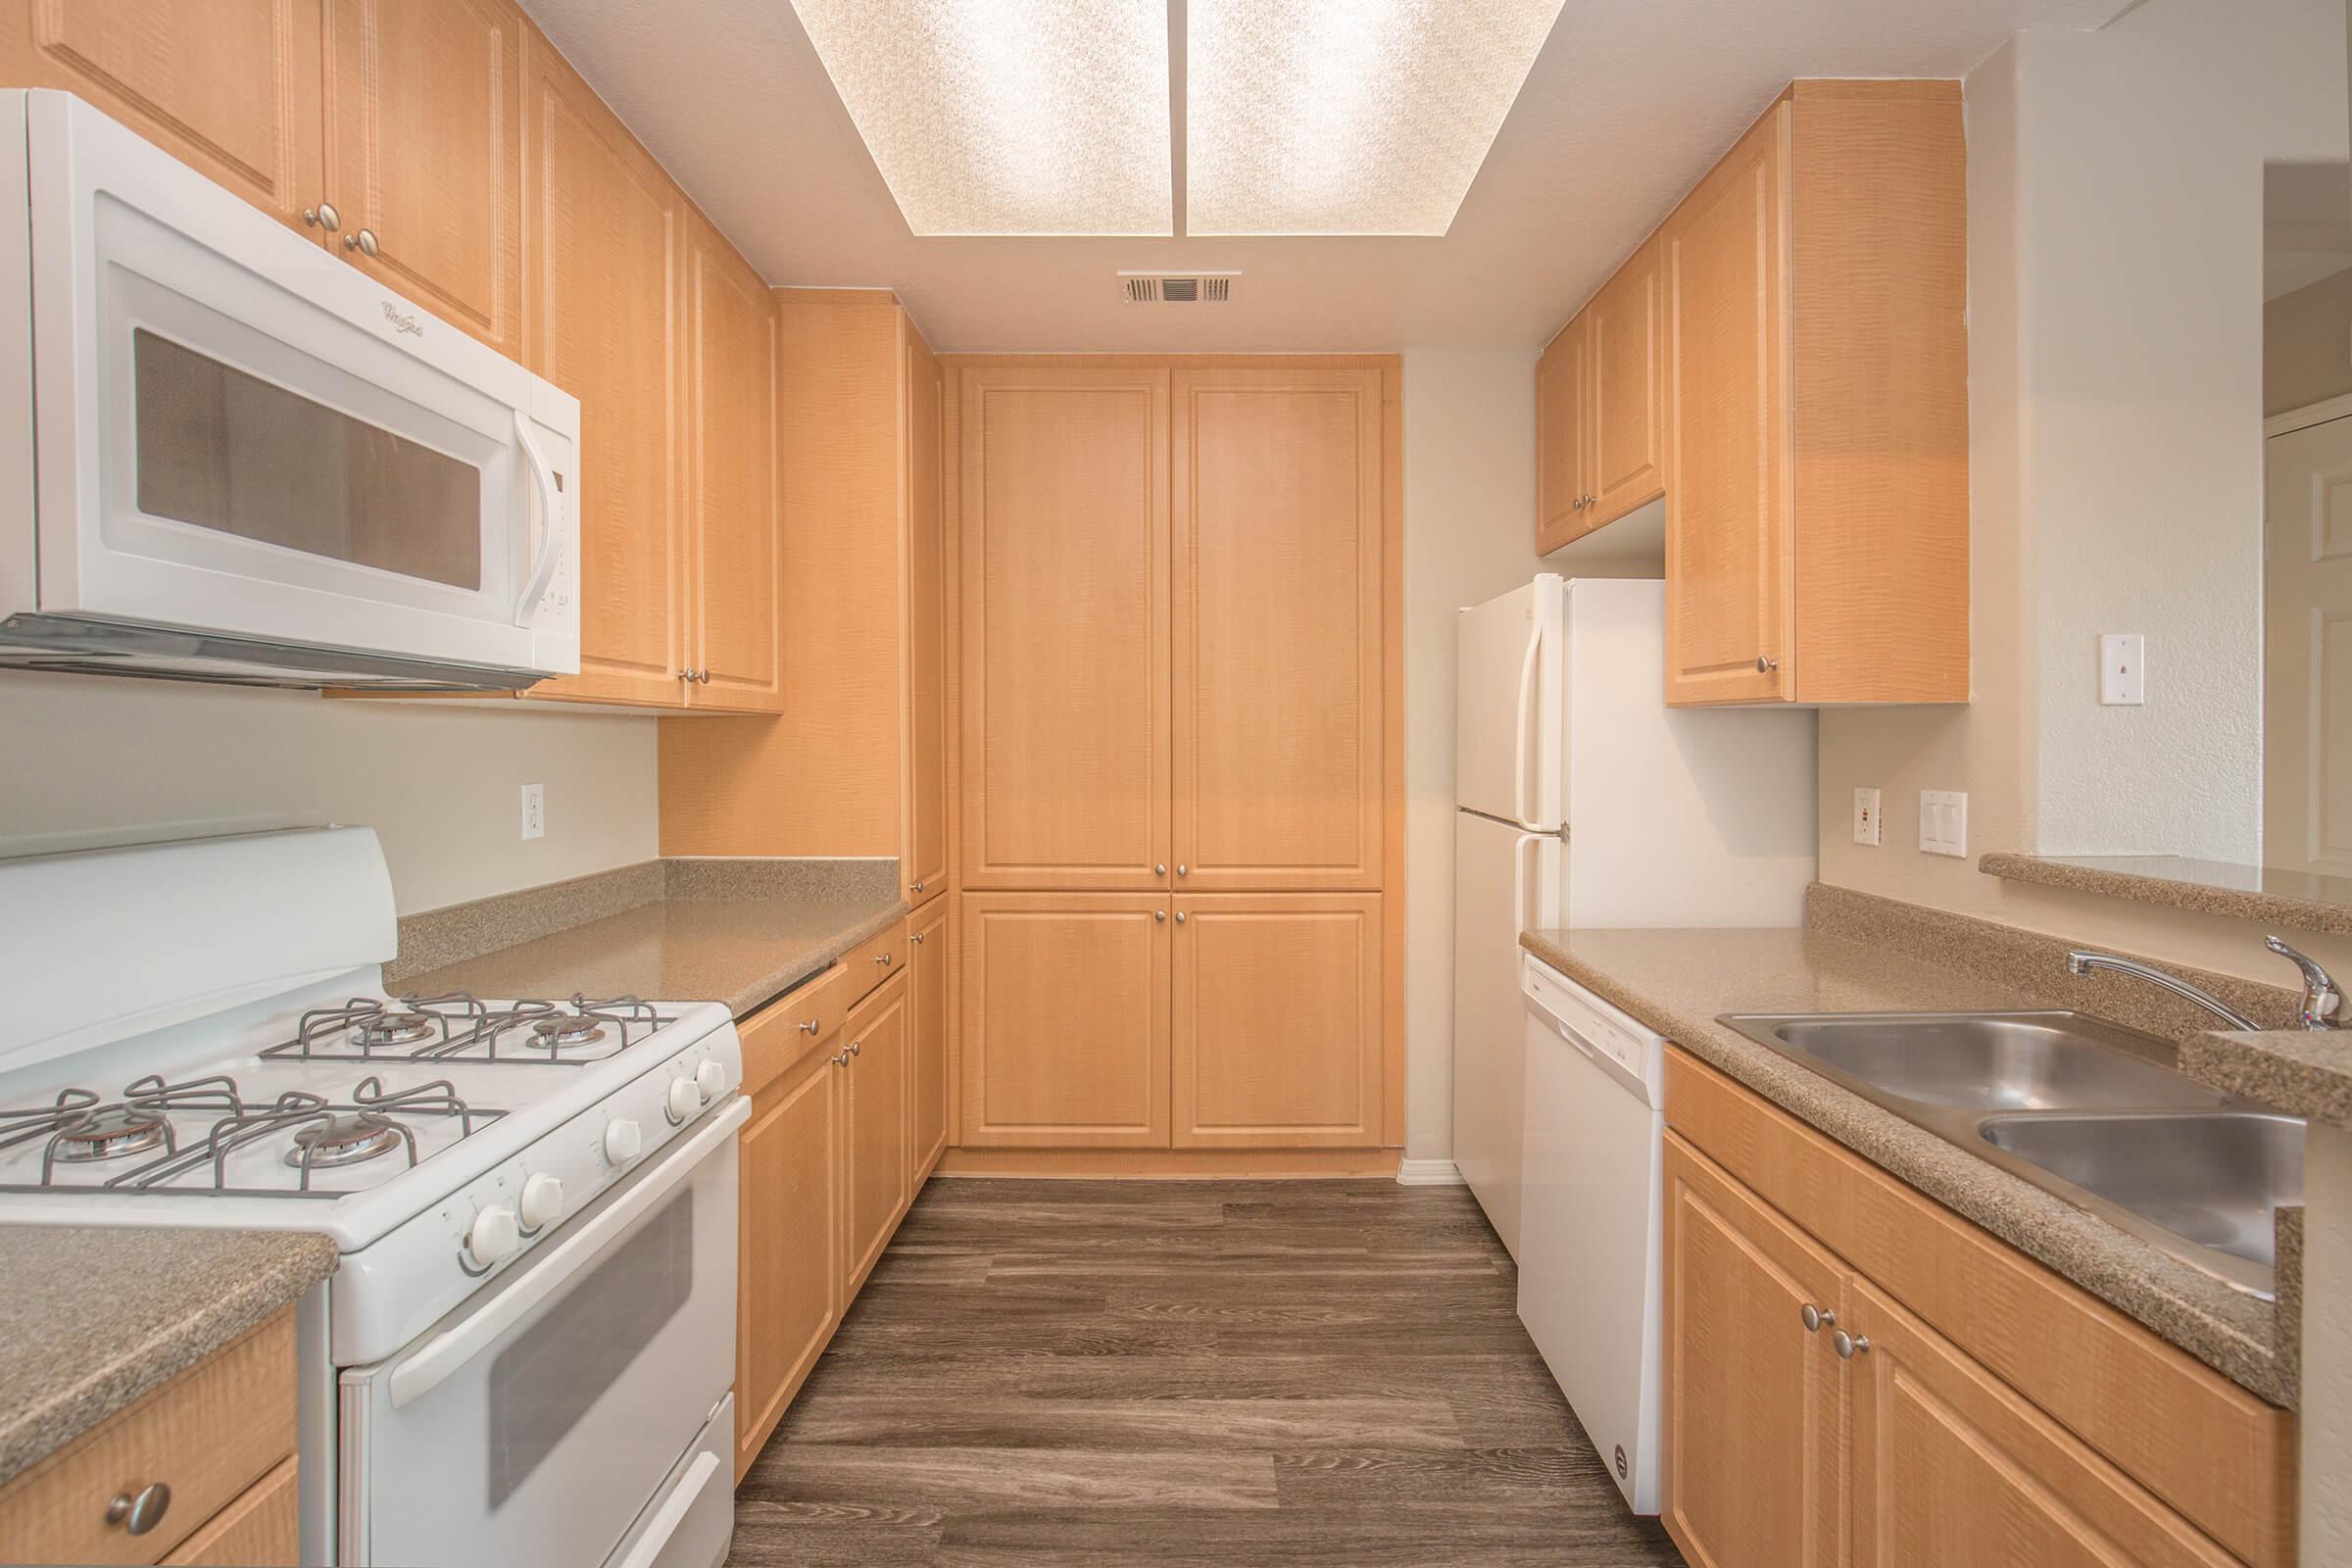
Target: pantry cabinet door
x=1277 y=1021
x=791 y=1292
x=1277 y=614
x=1731 y=560
x=1063 y=541
x=603 y=250
x=926 y=787
x=879 y=1041
x=229 y=87
x=1064 y=1041
x=927 y=999
x=1626 y=339
x=732 y=512
x=424 y=118
x=1563 y=380
x=1754 y=1400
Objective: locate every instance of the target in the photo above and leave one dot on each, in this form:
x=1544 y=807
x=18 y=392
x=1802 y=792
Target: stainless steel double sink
x=2083 y=1108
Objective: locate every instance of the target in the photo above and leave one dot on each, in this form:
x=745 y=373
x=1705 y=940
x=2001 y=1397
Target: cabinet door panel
x=1951 y=1468
x=1561 y=378
x=1064 y=537
x=1627 y=345
x=1065 y=1020
x=791 y=1293
x=1276 y=647
x=926 y=787
x=877 y=1038
x=1730 y=558
x=230 y=87
x=1277 y=1021
x=1754 y=1402
x=927 y=1001
x=603 y=247
x=731 y=401
x=424 y=150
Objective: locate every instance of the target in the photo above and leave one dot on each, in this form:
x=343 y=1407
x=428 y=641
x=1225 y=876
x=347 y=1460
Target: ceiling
x=1628 y=104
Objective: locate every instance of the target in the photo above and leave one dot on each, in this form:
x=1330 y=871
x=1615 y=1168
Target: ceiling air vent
x=1177 y=288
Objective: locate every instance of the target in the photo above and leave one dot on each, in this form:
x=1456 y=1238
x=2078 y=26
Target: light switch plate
x=534 y=811
x=2123 y=669
x=1944 y=822
x=1866 y=816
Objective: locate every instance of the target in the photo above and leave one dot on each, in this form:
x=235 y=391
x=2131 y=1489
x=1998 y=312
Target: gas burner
x=565 y=1031
x=111 y=1133
x=392 y=1030
x=343 y=1139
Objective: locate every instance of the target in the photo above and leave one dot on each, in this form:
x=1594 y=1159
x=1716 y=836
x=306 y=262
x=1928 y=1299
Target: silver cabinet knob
x=1848 y=1346
x=1184 y=870
x=809 y=1026
x=139 y=1512
x=1577 y=505
x=363 y=242
x=702 y=675
x=856 y=1047
x=1815 y=1319
x=1159 y=914
x=882 y=959
x=916 y=938
x=1766 y=664
x=685 y=674
x=916 y=886
x=1180 y=918
x=323 y=215
x=1160 y=870
x=839 y=1059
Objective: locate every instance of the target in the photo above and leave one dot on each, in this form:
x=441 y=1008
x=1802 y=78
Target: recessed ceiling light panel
x=1009 y=116
x=1372 y=118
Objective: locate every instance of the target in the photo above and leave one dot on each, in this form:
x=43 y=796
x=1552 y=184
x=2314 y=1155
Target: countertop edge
x=2307 y=1072
x=813 y=963
x=2197 y=898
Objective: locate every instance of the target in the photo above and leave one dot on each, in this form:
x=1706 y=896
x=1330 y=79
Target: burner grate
x=461 y=1027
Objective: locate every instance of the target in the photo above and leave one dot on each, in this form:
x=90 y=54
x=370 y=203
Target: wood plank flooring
x=1185 y=1375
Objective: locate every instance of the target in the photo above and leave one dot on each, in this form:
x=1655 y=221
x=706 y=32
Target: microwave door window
x=224 y=451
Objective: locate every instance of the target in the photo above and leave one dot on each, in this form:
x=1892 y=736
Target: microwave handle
x=444 y=1353
x=543 y=476
x=674 y=1513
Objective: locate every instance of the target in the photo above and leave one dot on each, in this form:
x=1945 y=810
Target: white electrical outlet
x=534 y=811
x=1866 y=816
x=2123 y=669
x=1944 y=822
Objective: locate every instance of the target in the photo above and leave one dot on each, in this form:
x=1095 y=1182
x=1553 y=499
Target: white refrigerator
x=1583 y=801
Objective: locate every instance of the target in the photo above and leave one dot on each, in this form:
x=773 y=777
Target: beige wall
x=2114 y=191
x=2307 y=345
x=86 y=759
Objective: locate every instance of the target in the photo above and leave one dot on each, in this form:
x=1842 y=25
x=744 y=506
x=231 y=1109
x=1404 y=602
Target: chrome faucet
x=2320 y=1004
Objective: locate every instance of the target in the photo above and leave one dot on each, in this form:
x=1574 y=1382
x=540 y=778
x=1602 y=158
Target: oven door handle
x=675 y=1509
x=444 y=1353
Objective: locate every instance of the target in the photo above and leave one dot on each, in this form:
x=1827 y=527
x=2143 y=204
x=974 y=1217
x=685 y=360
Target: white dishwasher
x=1592 y=1216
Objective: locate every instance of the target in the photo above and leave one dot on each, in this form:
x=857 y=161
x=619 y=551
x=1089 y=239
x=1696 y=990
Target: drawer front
x=876 y=961
x=207 y=1435
x=793 y=1025
x=263 y=1529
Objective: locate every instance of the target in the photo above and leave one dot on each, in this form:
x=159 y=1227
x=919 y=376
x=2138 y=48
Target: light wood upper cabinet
x=1277 y=1022
x=792 y=1283
x=925 y=789
x=731 y=481
x=1277 y=616
x=1063 y=534
x=604 y=248
x=879 y=1041
x=1563 y=380
x=230 y=87
x=1625 y=446
x=927 y=1019
x=1755 y=1411
x=1064 y=1041
x=423 y=120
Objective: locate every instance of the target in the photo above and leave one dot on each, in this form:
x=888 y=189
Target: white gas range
x=526 y=1353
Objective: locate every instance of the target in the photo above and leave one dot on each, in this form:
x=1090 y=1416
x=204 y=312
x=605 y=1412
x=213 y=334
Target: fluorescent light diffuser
x=1009 y=116
x=1310 y=117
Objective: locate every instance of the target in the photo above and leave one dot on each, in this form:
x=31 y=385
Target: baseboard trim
x=1173 y=1164
x=1428 y=1173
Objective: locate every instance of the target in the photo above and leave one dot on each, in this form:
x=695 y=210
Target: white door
x=2307 y=655
x=1507 y=710
x=1506 y=881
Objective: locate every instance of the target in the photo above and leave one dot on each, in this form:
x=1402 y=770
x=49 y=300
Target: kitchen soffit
x=1286 y=116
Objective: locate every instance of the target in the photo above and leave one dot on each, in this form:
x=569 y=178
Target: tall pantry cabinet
x=1177 y=746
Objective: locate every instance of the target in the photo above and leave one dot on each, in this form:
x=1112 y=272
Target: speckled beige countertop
x=2306 y=1071
x=1678 y=981
x=95 y=1318
x=744 y=951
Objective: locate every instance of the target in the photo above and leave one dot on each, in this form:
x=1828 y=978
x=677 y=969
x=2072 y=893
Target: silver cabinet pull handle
x=1766 y=664
x=917 y=886
x=1848 y=1346
x=702 y=675
x=1160 y=869
x=1815 y=1319
x=685 y=674
x=139 y=1512
x=809 y=1026
x=840 y=1058
x=916 y=938
x=1180 y=918
x=882 y=959
x=323 y=215
x=1183 y=870
x=364 y=242
x=1159 y=914
x=855 y=1046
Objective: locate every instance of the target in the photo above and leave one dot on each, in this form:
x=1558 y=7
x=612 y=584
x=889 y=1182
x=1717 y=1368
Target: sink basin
x=2212 y=1178
x=1995 y=1061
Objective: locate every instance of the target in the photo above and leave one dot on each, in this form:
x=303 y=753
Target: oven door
x=537 y=1422
x=240 y=433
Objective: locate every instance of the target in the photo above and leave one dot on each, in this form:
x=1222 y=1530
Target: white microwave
x=226 y=454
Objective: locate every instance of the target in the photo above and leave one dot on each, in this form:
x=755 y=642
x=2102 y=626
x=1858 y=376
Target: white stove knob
x=684 y=1100
x=492 y=1236
x=711 y=1079
x=622 y=1141
x=542 y=1199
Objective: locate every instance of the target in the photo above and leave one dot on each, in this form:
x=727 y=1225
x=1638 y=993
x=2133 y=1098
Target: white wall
x=87 y=760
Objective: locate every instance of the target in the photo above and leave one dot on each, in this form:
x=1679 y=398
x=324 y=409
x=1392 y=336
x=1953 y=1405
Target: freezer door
x=1506 y=880
x=1508 y=679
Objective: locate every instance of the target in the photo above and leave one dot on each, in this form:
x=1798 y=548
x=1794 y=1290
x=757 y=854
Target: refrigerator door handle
x=1524 y=723
x=1519 y=877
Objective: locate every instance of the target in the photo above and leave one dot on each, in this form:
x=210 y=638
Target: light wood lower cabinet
x=264 y=1526
x=927 y=1016
x=1964 y=1405
x=790 y=1270
x=875 y=1112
